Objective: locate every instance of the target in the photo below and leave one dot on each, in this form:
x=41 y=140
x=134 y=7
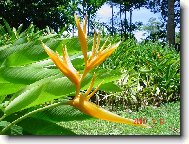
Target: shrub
x=151 y=74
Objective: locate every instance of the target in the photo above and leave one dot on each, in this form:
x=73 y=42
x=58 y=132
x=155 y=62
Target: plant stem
x=2 y=117
x=84 y=74
x=31 y=113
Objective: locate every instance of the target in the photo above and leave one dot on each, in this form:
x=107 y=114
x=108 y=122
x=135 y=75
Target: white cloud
x=104 y=13
x=139 y=35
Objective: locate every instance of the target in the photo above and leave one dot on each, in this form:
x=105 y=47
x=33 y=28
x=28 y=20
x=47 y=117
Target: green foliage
x=146 y=72
x=155 y=30
x=55 y=14
x=129 y=3
x=7 y=34
x=162 y=6
x=33 y=126
x=61 y=113
x=14 y=130
x=29 y=81
x=23 y=100
x=151 y=74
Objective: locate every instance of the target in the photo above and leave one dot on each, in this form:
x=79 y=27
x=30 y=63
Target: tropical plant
x=35 y=95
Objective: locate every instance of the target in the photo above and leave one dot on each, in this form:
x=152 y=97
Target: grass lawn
x=165 y=120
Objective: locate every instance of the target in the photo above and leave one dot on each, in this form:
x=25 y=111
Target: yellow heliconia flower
x=82 y=103
x=64 y=65
x=82 y=36
x=98 y=55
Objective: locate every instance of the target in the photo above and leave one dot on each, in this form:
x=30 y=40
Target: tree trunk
x=130 y=28
x=72 y=30
x=112 y=31
x=121 y=30
x=125 y=30
x=88 y=19
x=170 y=23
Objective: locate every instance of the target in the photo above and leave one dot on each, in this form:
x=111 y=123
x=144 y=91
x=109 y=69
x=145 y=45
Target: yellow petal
x=85 y=25
x=67 y=61
x=64 y=66
x=95 y=46
x=98 y=42
x=91 y=94
x=94 y=110
x=103 y=46
x=101 y=56
x=82 y=38
x=91 y=86
x=94 y=51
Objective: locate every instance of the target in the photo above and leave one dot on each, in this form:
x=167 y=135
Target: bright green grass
x=170 y=113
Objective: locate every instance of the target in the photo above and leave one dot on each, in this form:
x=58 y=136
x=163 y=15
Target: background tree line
x=59 y=15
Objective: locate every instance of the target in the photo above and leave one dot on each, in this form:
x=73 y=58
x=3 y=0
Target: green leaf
x=23 y=100
x=3 y=124
x=110 y=87
x=106 y=76
x=34 y=126
x=61 y=113
x=57 y=87
x=2 y=97
x=9 y=88
x=35 y=71
x=42 y=91
x=143 y=70
x=14 y=130
x=25 y=75
x=19 y=28
x=60 y=86
x=20 y=41
x=72 y=45
x=53 y=88
x=29 y=52
x=9 y=30
x=14 y=48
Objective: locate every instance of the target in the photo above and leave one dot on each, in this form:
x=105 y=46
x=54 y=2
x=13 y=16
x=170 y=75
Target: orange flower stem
x=84 y=74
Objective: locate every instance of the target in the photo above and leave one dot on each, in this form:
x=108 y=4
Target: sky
x=104 y=14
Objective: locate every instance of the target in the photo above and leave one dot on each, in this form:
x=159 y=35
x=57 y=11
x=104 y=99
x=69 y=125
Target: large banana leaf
x=9 y=88
x=26 y=53
x=61 y=113
x=32 y=80
x=33 y=126
x=52 y=88
x=14 y=130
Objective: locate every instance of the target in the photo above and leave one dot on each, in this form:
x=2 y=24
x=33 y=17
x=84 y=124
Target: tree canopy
x=41 y=13
x=59 y=14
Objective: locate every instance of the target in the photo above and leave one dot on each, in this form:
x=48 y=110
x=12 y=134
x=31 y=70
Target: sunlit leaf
x=110 y=87
x=14 y=130
x=23 y=100
x=33 y=126
x=61 y=113
x=9 y=88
